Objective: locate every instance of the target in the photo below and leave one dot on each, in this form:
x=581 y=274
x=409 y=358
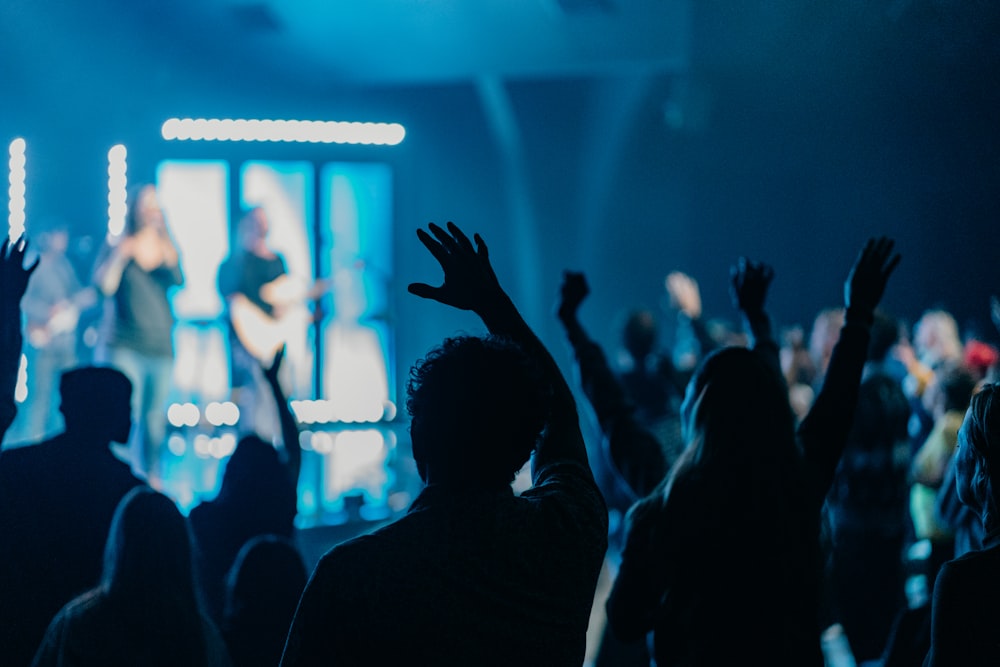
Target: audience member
x=135 y=271
x=56 y=503
x=722 y=560
x=145 y=610
x=965 y=615
x=867 y=505
x=472 y=575
x=258 y=496
x=262 y=591
x=633 y=449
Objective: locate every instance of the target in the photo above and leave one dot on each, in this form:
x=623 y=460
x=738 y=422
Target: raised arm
x=823 y=433
x=13 y=283
x=635 y=452
x=471 y=284
x=289 y=427
x=111 y=265
x=749 y=282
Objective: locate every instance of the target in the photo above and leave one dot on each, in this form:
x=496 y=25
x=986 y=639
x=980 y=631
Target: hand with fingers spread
x=14 y=274
x=749 y=282
x=14 y=277
x=469 y=280
x=573 y=291
x=866 y=282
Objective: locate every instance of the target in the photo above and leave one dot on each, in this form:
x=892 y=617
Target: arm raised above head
x=14 y=277
x=823 y=433
x=471 y=284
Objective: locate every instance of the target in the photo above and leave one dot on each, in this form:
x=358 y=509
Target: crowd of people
x=752 y=494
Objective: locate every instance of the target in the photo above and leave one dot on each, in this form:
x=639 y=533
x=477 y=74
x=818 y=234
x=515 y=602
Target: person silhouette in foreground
x=13 y=284
x=145 y=610
x=472 y=575
x=965 y=615
x=56 y=503
x=262 y=591
x=257 y=497
x=722 y=559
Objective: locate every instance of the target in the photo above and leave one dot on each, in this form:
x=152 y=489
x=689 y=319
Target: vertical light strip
x=117 y=185
x=15 y=191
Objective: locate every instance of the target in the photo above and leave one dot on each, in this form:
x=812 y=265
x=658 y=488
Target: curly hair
x=478 y=407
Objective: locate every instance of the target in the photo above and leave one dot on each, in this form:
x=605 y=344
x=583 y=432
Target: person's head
x=824 y=336
x=255 y=473
x=265 y=580
x=96 y=401
x=884 y=336
x=977 y=456
x=148 y=548
x=936 y=339
x=52 y=235
x=143 y=209
x=736 y=410
x=639 y=334
x=478 y=406
x=253 y=228
x=950 y=390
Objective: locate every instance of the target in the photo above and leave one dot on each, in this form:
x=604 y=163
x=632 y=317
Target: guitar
x=62 y=319
x=261 y=334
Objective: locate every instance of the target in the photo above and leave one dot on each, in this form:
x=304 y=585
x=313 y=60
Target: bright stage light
x=299 y=131
x=16 y=190
x=117 y=185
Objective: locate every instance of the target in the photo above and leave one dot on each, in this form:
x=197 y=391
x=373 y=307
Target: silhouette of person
x=472 y=574
x=262 y=592
x=722 y=560
x=965 y=615
x=257 y=497
x=56 y=503
x=867 y=506
x=14 y=278
x=145 y=610
x=136 y=273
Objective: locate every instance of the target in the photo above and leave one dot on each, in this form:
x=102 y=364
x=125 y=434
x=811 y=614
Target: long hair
x=148 y=577
x=982 y=428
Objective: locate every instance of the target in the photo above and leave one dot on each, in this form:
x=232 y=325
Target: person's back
x=56 y=504
x=470 y=577
x=472 y=574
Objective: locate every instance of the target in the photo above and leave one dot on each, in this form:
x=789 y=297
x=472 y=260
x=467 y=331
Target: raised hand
x=684 y=293
x=13 y=274
x=573 y=291
x=749 y=282
x=469 y=280
x=866 y=282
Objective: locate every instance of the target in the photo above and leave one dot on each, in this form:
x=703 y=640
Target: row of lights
x=217 y=413
x=226 y=413
x=328 y=412
x=299 y=131
x=219 y=447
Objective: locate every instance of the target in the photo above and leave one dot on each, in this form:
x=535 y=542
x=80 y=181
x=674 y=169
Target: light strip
x=298 y=131
x=15 y=191
x=117 y=185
